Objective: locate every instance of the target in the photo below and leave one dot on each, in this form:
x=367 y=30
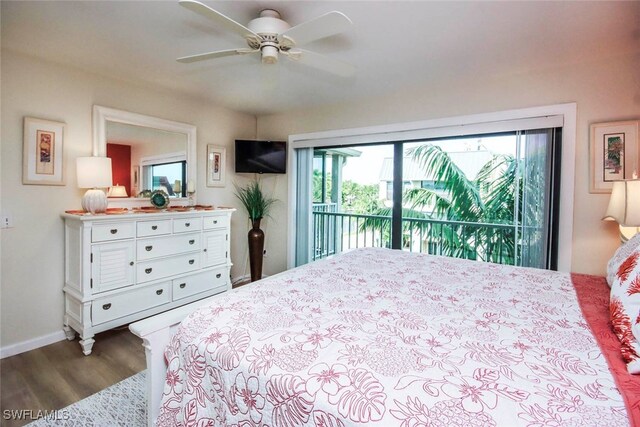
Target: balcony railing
x=334 y=232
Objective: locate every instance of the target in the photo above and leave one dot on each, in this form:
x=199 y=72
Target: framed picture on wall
x=216 y=165
x=43 y=152
x=614 y=154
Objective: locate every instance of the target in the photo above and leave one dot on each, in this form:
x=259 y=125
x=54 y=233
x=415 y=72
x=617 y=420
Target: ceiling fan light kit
x=270 y=36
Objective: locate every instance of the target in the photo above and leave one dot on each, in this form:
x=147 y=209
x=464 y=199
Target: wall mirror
x=147 y=153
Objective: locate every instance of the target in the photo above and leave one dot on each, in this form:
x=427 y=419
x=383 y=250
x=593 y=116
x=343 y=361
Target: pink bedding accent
x=593 y=296
x=388 y=338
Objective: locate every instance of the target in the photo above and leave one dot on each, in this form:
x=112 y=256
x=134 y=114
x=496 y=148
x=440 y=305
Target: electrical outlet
x=6 y=220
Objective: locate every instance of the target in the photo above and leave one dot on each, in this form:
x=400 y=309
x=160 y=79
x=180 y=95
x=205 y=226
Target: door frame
x=475 y=123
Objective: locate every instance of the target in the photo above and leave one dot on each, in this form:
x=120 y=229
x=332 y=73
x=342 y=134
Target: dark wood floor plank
x=58 y=375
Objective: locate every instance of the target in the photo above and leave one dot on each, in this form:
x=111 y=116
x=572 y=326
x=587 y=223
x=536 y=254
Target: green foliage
x=489 y=199
x=254 y=201
x=457 y=210
x=359 y=198
x=317 y=186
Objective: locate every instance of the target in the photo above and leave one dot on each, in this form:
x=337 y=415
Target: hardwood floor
x=58 y=375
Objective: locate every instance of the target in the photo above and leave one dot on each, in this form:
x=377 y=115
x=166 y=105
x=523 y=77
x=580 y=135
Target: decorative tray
x=109 y=211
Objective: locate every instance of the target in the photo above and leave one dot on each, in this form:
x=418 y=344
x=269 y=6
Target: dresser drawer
x=124 y=304
x=113 y=231
x=168 y=245
x=184 y=225
x=153 y=228
x=159 y=268
x=210 y=222
x=201 y=282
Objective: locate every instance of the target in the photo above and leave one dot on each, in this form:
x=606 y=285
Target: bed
x=388 y=338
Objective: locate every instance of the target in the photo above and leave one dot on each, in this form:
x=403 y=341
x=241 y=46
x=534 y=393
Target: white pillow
x=621 y=254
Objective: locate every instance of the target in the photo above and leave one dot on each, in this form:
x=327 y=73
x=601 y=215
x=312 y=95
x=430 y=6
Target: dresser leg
x=70 y=333
x=87 y=344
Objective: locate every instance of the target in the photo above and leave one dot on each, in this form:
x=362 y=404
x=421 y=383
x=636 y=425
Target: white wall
x=31 y=269
x=605 y=90
x=32 y=264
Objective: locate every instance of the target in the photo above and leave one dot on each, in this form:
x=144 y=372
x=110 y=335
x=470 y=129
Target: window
x=170 y=177
x=528 y=234
x=166 y=172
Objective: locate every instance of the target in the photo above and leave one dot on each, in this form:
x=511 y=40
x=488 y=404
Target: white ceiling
x=393 y=44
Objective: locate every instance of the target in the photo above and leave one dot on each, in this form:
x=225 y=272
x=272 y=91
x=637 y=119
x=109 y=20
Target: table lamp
x=94 y=173
x=624 y=207
x=118 y=191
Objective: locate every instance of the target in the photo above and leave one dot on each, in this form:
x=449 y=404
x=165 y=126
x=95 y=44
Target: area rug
x=122 y=404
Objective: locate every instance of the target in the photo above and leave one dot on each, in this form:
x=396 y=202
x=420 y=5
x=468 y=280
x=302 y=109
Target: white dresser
x=122 y=268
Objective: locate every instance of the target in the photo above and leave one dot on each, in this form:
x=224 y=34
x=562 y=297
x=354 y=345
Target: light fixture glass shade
x=624 y=205
x=94 y=172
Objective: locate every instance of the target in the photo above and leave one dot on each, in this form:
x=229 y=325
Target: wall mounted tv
x=261 y=156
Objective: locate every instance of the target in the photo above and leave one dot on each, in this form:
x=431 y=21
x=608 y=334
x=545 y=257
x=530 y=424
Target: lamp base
x=94 y=201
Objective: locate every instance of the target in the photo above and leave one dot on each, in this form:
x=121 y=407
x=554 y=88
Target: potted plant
x=257 y=206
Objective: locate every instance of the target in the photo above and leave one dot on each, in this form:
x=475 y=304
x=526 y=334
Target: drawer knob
x=114 y=230
x=148 y=270
x=187 y=224
x=215 y=221
x=191 y=261
x=131 y=263
x=106 y=306
x=205 y=249
x=183 y=285
x=159 y=291
x=191 y=242
x=154 y=227
x=148 y=248
x=219 y=275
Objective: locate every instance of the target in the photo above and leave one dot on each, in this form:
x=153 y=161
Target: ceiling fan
x=270 y=36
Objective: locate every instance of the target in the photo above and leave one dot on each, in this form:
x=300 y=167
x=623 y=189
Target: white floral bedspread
x=388 y=338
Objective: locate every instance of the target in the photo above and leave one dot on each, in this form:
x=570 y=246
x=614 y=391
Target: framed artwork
x=216 y=165
x=614 y=154
x=43 y=155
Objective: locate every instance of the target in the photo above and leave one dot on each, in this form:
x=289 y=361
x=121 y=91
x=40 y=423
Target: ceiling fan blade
x=220 y=19
x=323 y=26
x=321 y=62
x=217 y=54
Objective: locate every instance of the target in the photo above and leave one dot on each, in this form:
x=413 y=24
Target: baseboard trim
x=32 y=344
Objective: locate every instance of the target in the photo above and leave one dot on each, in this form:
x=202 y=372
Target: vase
x=256 y=249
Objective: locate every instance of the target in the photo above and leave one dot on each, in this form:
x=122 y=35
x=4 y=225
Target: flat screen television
x=261 y=156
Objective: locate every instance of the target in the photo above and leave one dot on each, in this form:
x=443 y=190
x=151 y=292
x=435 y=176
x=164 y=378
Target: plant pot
x=256 y=249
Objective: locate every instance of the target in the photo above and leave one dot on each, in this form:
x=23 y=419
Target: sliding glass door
x=485 y=197
x=489 y=197
x=351 y=205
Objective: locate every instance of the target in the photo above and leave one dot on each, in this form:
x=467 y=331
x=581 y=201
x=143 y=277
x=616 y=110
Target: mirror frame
x=102 y=115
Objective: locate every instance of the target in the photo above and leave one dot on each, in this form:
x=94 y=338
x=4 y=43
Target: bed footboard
x=156 y=332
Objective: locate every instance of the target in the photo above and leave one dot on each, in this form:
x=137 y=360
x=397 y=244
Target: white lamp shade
x=624 y=205
x=118 y=191
x=94 y=172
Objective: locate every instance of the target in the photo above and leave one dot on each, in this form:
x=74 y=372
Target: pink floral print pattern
x=387 y=338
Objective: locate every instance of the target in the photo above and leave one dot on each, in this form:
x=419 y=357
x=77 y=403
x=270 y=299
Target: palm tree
x=490 y=198
x=458 y=211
